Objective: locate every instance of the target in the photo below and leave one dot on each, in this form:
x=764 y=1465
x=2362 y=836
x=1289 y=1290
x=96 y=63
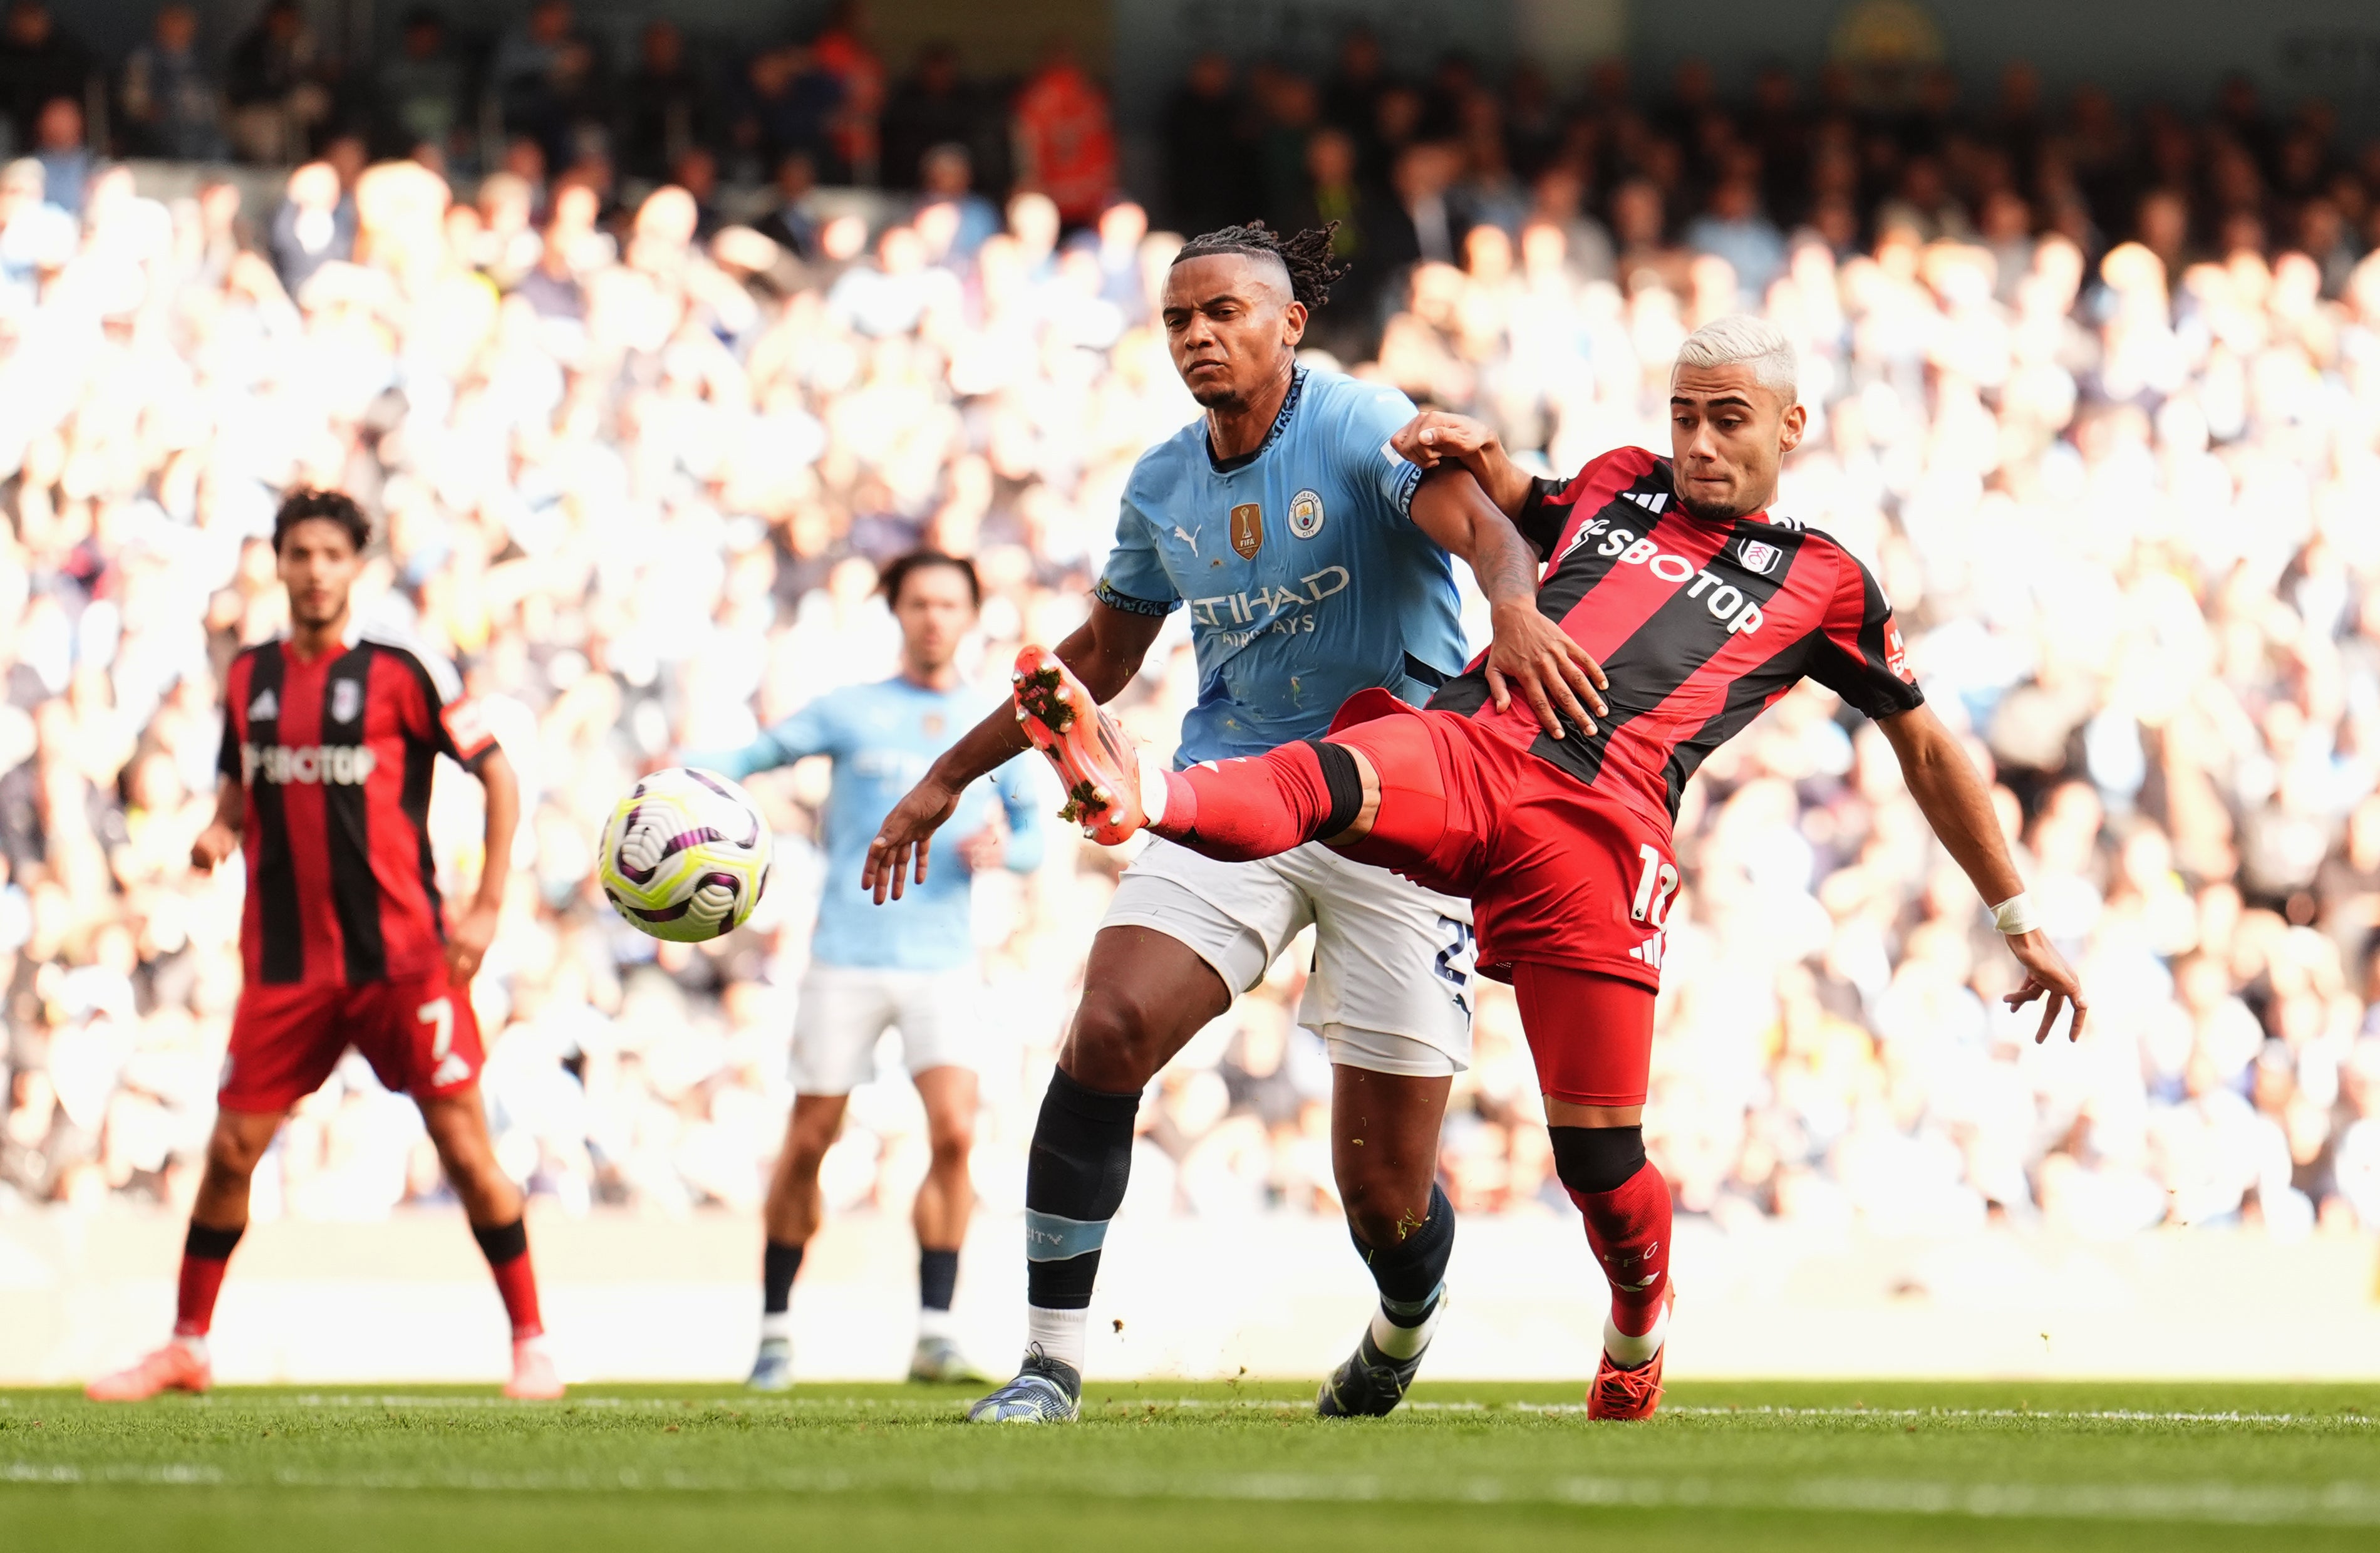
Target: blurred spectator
x=39 y=61
x=1560 y=202
x=936 y=105
x=276 y=100
x=422 y=89
x=549 y=82
x=1210 y=162
x=65 y=159
x=170 y=101
x=37 y=239
x=843 y=52
x=667 y=107
x=1732 y=227
x=1366 y=241
x=784 y=105
x=788 y=222
x=1065 y=148
x=315 y=225
x=947 y=177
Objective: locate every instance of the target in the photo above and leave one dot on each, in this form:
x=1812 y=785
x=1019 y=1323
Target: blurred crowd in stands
x=2097 y=396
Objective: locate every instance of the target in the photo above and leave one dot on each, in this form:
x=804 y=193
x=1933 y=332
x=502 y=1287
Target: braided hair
x=1306 y=255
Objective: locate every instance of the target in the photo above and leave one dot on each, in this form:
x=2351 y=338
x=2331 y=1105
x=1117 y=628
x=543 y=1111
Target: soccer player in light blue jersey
x=913 y=969
x=1314 y=562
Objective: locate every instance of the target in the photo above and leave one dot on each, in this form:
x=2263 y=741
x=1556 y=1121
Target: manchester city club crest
x=1247 y=529
x=1759 y=555
x=1305 y=513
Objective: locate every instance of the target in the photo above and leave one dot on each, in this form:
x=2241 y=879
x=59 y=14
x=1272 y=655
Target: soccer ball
x=685 y=855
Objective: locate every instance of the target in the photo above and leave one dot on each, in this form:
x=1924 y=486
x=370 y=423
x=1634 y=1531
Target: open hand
x=1435 y=437
x=1553 y=674
x=907 y=832
x=2048 y=976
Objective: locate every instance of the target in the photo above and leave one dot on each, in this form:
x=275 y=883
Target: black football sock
x=779 y=1262
x=1074 y=1183
x=938 y=1278
x=1410 y=1273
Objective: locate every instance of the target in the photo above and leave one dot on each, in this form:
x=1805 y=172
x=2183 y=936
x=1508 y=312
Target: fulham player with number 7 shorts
x=330 y=738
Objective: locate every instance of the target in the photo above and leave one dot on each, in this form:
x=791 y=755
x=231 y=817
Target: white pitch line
x=2337 y=1503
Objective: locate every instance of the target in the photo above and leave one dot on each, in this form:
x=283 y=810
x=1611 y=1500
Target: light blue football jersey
x=881 y=738
x=1303 y=575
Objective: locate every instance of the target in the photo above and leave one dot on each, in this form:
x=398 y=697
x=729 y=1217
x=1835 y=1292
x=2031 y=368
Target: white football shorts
x=1391 y=987
x=845 y=1010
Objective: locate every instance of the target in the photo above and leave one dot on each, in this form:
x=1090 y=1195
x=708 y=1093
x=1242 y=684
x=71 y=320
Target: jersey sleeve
x=1135 y=580
x=227 y=761
x=1858 y=653
x=448 y=721
x=1367 y=461
x=227 y=758
x=808 y=732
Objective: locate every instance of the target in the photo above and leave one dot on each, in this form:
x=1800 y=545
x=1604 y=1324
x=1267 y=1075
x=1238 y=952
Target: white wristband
x=2014 y=915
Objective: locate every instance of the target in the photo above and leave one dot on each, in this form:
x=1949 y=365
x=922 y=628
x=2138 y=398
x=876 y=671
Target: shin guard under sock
x=206 y=1255
x=1074 y=1183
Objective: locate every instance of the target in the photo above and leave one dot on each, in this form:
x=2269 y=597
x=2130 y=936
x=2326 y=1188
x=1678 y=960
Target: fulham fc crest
x=1305 y=513
x=1247 y=529
x=1759 y=556
x=346 y=699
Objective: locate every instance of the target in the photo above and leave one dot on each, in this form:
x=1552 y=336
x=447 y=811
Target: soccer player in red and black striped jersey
x=330 y=737
x=1702 y=609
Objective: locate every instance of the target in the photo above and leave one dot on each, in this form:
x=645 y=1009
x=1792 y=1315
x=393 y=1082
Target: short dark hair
x=897 y=572
x=1308 y=256
x=305 y=505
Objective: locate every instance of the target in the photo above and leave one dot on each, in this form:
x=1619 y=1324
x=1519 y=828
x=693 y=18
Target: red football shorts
x=420 y=1036
x=1569 y=887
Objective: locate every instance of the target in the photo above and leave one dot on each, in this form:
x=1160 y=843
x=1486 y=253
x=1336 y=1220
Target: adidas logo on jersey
x=1651 y=501
x=265 y=707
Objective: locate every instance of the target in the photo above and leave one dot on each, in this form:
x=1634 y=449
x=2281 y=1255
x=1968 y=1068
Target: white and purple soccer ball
x=685 y=855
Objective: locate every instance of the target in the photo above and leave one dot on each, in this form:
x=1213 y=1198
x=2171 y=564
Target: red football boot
x=170 y=1368
x=1628 y=1392
x=1094 y=758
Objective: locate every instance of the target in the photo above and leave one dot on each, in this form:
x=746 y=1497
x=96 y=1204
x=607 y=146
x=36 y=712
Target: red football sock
x=1240 y=810
x=1629 y=1228
x=506 y=1246
x=206 y=1255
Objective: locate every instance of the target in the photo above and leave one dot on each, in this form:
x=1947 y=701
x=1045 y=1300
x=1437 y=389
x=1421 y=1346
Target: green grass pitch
x=1162 y=1465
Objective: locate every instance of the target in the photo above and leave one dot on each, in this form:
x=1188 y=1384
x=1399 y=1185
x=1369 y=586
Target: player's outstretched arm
x=1104 y=652
x=221 y=837
x=475 y=928
x=1435 y=437
x=1530 y=652
x=1951 y=791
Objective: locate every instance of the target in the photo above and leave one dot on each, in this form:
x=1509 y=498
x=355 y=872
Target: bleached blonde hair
x=1754 y=342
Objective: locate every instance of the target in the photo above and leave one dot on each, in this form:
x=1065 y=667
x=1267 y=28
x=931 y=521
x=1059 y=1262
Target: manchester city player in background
x=1315 y=562
x=913 y=969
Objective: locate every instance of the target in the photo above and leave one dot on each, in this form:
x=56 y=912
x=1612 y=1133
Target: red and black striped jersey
x=336 y=756
x=1699 y=627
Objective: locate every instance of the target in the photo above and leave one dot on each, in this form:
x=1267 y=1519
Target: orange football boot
x=1624 y=1392
x=1094 y=758
x=170 y=1368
